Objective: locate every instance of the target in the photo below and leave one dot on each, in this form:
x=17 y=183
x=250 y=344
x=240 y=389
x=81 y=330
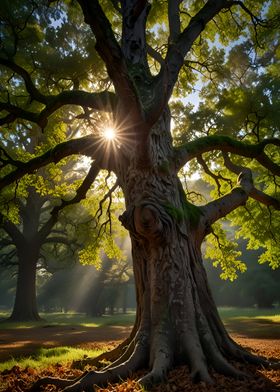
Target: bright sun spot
x=109 y=133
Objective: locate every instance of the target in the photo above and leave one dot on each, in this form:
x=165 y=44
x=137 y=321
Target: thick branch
x=15 y=112
x=254 y=192
x=180 y=47
x=110 y=51
x=187 y=152
x=174 y=20
x=87 y=145
x=104 y=100
x=219 y=208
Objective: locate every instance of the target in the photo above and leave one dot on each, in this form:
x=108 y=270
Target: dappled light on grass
x=56 y=362
x=46 y=357
x=252 y=322
x=71 y=318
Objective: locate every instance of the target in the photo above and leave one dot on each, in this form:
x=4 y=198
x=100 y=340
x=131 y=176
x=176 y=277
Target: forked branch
x=254 y=192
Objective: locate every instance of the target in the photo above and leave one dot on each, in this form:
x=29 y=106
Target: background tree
x=122 y=63
x=35 y=234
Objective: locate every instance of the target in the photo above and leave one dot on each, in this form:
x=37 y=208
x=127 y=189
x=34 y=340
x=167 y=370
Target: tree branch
x=30 y=87
x=179 y=48
x=215 y=177
x=87 y=145
x=254 y=192
x=219 y=208
x=111 y=53
x=6 y=159
x=174 y=20
x=104 y=100
x=15 y=112
x=194 y=149
x=57 y=240
x=155 y=55
x=12 y=230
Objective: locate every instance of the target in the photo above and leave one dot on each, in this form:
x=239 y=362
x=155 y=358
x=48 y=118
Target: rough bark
x=177 y=320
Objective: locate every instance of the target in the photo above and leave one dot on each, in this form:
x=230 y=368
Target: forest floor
x=26 y=341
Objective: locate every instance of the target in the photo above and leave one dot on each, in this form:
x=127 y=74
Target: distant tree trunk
x=94 y=305
x=124 y=297
x=25 y=305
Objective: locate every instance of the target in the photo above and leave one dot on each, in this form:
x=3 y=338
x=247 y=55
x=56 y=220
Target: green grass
x=230 y=312
x=60 y=319
x=252 y=322
x=46 y=357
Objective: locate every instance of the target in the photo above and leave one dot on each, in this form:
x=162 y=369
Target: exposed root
x=109 y=356
x=158 y=374
x=196 y=359
x=85 y=382
x=59 y=382
x=201 y=374
x=161 y=358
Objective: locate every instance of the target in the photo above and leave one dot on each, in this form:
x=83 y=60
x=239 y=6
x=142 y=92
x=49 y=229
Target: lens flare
x=109 y=133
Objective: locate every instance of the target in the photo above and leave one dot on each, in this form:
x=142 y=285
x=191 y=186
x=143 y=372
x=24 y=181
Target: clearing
x=260 y=333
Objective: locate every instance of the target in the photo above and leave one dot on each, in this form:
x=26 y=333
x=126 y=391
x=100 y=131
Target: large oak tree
x=123 y=62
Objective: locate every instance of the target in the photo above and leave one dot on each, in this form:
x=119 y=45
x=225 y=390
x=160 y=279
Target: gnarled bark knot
x=148 y=221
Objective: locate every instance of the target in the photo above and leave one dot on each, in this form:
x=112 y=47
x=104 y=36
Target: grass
x=230 y=312
x=252 y=322
x=46 y=357
x=249 y=322
x=61 y=319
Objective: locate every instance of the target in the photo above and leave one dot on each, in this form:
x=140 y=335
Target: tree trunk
x=25 y=305
x=176 y=320
x=94 y=303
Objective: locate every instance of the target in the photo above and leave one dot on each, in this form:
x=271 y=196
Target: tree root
x=109 y=356
x=59 y=382
x=162 y=359
x=85 y=382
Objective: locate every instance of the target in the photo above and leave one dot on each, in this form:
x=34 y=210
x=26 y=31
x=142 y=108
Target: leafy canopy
x=57 y=87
